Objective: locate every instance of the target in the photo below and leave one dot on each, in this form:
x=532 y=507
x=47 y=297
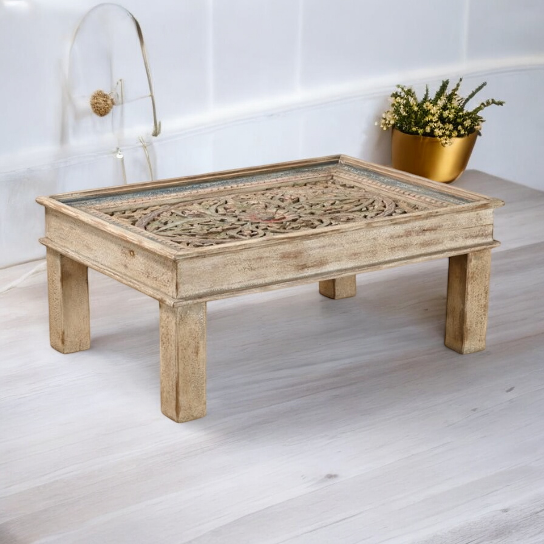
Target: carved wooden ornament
x=101 y=103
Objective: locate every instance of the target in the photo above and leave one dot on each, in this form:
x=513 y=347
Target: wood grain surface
x=329 y=421
x=468 y=301
x=68 y=294
x=183 y=361
x=338 y=288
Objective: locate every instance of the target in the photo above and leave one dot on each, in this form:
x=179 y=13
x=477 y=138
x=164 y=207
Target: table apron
x=111 y=254
x=325 y=255
x=256 y=267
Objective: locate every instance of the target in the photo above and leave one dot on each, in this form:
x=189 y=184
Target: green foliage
x=443 y=116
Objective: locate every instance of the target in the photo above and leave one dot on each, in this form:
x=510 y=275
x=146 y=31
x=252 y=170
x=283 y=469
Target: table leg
x=339 y=288
x=68 y=290
x=467 y=305
x=183 y=361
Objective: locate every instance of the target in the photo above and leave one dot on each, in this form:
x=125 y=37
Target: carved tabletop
x=190 y=240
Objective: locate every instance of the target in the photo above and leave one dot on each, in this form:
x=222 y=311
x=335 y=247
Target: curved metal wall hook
x=147 y=157
x=156 y=124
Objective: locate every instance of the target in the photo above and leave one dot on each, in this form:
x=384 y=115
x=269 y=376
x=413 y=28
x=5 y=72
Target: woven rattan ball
x=101 y=103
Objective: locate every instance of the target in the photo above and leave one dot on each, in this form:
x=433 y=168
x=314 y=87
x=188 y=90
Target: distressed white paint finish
x=329 y=421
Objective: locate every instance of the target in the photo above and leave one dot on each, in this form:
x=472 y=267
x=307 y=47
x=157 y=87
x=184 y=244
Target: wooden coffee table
x=190 y=240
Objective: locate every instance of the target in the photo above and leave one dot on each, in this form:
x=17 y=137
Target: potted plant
x=434 y=137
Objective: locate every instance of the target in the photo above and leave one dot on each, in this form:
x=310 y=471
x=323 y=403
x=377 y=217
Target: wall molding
x=365 y=89
x=187 y=126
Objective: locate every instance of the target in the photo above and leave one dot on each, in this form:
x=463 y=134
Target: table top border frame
x=172 y=250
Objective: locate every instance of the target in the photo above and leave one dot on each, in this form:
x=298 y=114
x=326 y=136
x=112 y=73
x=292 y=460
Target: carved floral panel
x=236 y=216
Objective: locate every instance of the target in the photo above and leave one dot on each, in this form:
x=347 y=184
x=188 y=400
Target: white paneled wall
x=350 y=40
x=255 y=49
x=501 y=28
x=246 y=82
x=511 y=140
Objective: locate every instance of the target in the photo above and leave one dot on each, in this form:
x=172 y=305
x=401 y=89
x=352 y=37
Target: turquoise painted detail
x=173 y=191
x=393 y=182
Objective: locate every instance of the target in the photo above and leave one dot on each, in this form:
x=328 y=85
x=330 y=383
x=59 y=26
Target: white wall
x=245 y=82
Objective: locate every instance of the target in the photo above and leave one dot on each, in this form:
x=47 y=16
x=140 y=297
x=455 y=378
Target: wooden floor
x=328 y=421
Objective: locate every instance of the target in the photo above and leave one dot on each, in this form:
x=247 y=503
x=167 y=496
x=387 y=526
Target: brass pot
x=426 y=157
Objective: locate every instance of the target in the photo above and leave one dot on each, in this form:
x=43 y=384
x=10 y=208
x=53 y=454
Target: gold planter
x=426 y=157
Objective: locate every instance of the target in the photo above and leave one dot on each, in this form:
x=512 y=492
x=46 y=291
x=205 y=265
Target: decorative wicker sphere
x=101 y=103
